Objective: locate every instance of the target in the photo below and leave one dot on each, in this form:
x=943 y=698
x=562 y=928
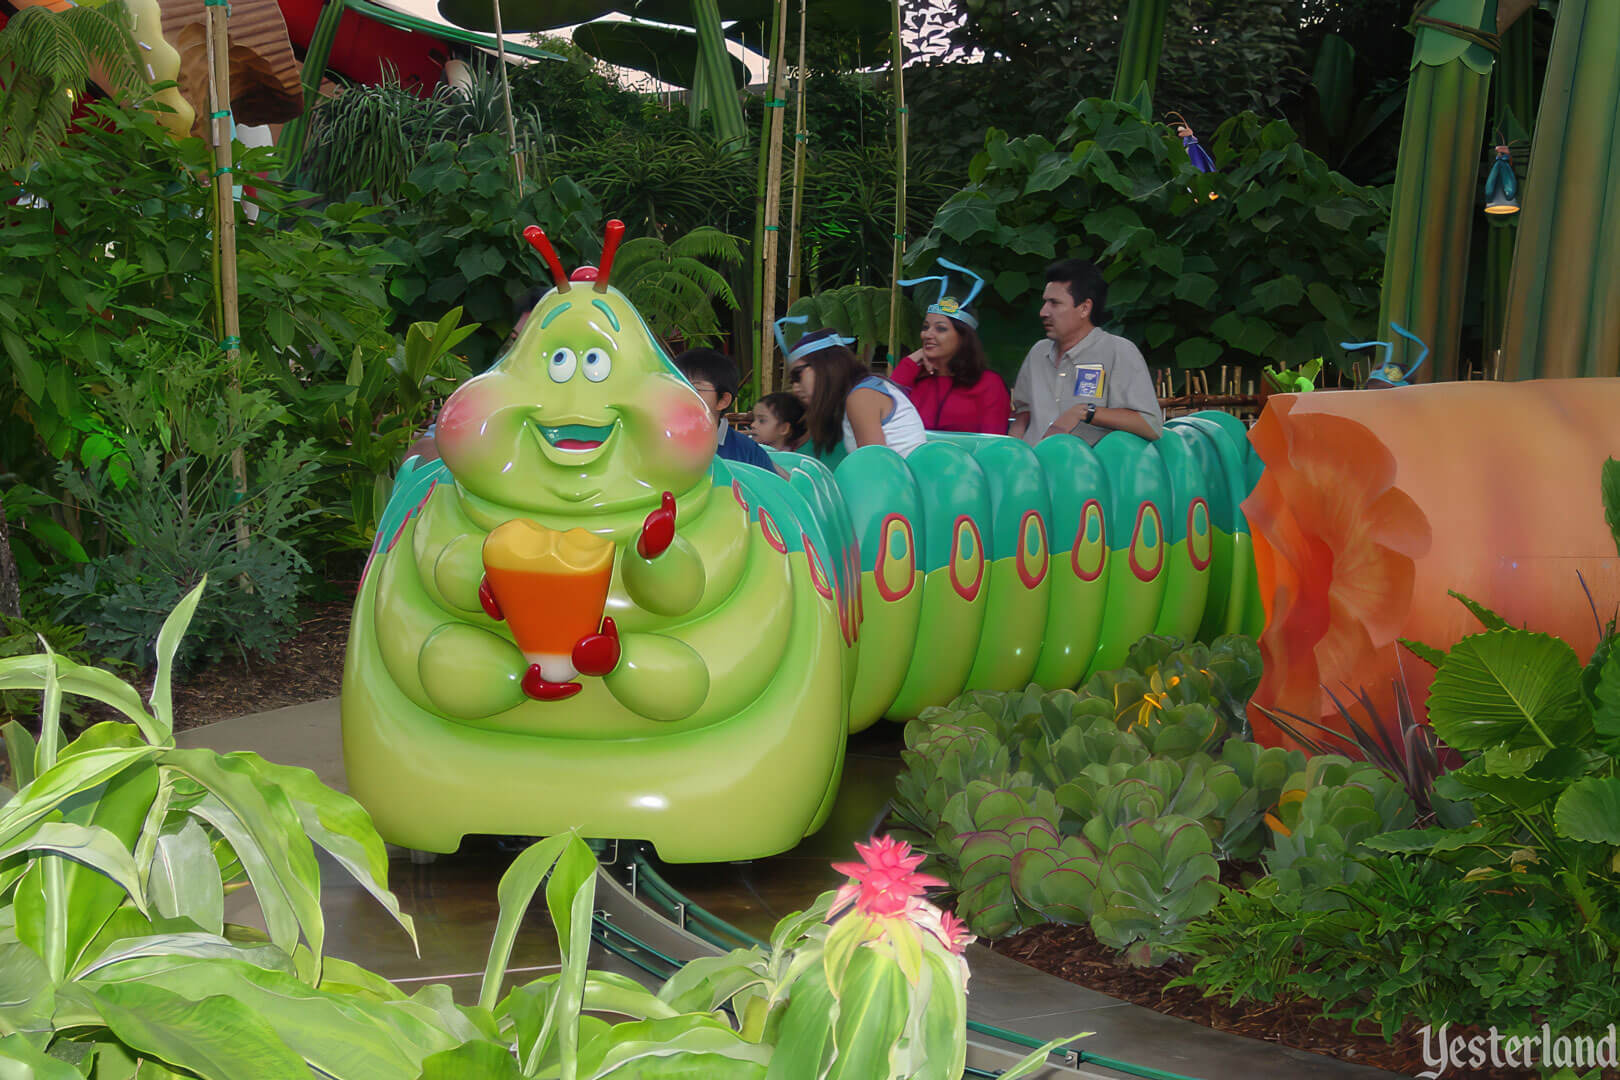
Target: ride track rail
x=646 y=923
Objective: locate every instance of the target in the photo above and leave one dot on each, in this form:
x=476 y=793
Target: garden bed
x=1073 y=953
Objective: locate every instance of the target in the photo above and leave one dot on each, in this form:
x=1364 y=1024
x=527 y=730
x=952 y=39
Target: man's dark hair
x=715 y=368
x=1085 y=282
x=531 y=298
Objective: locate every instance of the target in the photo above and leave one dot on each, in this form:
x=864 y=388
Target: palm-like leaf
x=673 y=284
x=46 y=60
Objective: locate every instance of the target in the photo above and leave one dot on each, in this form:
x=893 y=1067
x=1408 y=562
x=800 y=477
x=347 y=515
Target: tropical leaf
x=1511 y=687
x=1611 y=498
x=216 y=1038
x=1590 y=811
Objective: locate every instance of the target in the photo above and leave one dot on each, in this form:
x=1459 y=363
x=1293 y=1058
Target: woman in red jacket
x=947 y=378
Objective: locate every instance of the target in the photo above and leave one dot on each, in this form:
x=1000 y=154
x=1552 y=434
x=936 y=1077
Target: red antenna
x=610 y=247
x=536 y=236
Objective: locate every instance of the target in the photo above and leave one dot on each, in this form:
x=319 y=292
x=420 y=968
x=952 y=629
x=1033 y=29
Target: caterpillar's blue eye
x=562 y=365
x=598 y=364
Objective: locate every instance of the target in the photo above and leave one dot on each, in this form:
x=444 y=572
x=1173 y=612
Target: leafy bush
x=1279 y=266
x=457 y=234
x=120 y=848
x=173 y=526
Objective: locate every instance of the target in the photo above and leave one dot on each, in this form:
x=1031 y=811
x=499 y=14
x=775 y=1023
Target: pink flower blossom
x=885 y=883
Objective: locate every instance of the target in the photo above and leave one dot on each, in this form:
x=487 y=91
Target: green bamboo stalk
x=719 y=96
x=1563 y=309
x=775 y=107
x=801 y=142
x=1436 y=182
x=296 y=132
x=762 y=356
x=1140 y=46
x=897 y=60
x=1515 y=111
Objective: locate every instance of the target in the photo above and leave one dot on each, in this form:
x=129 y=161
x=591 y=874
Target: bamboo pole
x=759 y=340
x=506 y=92
x=898 y=61
x=775 y=106
x=801 y=140
x=218 y=55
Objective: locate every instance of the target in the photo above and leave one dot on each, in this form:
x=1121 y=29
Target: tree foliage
x=1274 y=258
x=46 y=58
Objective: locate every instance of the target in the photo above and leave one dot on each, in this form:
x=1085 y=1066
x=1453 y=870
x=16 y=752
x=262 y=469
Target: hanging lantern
x=1502 y=186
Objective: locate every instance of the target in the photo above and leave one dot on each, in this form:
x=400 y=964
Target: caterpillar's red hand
x=598 y=654
x=658 y=531
x=538 y=687
x=486 y=596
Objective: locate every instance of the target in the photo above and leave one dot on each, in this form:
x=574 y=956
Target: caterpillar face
x=585 y=413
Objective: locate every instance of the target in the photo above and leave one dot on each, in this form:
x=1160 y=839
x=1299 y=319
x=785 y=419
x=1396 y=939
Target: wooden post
x=775 y=107
x=506 y=90
x=898 y=61
x=801 y=139
x=218 y=38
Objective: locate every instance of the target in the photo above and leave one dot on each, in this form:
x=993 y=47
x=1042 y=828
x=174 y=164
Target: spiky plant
x=676 y=284
x=45 y=62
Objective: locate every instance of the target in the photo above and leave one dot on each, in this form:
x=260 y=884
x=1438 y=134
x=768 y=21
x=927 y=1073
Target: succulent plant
x=1324 y=813
x=941 y=760
x=1256 y=782
x=1156 y=876
x=984 y=828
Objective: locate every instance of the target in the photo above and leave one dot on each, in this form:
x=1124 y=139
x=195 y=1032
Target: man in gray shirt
x=1082 y=380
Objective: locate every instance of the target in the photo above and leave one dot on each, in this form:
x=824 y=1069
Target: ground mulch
x=1073 y=953
x=308 y=667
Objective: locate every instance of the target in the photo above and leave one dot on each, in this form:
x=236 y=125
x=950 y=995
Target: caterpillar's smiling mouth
x=574 y=443
x=576 y=436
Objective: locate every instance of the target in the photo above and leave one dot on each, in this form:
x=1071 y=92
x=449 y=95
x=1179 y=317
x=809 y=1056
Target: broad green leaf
x=1036 y=1059
x=258 y=821
x=183 y=881
x=216 y=1038
x=90 y=845
x=175 y=947
x=339 y=825
x=1424 y=840
x=1606 y=717
x=20 y=1061
x=515 y=892
x=472 y=1061
x=671 y=1043
x=570 y=898
x=61 y=782
x=1198 y=353
x=29 y=673
x=943 y=1020
x=804 y=1041
x=1611 y=498
x=26 y=997
x=1590 y=811
x=1509 y=687
x=872 y=1002
x=1196 y=289
x=168 y=644
x=20 y=748
x=1427 y=653
x=346 y=1036
x=1489 y=619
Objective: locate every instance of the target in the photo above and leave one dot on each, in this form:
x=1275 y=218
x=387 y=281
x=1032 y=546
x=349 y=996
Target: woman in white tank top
x=844 y=402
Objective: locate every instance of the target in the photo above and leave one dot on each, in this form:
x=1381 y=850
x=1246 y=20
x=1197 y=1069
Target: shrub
x=1273 y=259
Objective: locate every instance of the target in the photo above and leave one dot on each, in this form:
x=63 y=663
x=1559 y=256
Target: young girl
x=778 y=422
x=844 y=402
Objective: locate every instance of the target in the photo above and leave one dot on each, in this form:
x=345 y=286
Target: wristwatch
x=1091 y=410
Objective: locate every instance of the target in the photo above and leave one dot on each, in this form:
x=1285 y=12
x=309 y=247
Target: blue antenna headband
x=949 y=306
x=1391 y=373
x=805 y=348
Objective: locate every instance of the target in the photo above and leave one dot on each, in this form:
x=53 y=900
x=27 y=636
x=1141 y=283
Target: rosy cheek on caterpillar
x=687 y=428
